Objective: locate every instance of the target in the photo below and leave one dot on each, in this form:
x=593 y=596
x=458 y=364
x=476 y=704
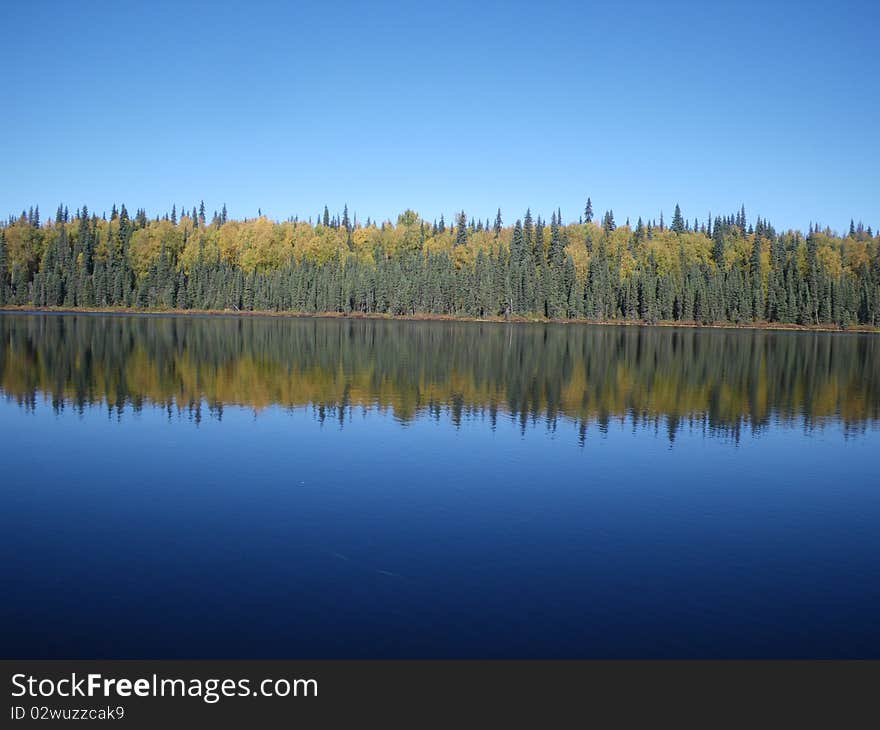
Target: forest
x=722 y=269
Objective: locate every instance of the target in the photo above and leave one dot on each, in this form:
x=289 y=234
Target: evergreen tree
x=461 y=233
x=4 y=272
x=538 y=243
x=718 y=248
x=677 y=221
x=608 y=222
x=757 y=280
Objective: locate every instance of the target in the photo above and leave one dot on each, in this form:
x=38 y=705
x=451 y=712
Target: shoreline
x=129 y=311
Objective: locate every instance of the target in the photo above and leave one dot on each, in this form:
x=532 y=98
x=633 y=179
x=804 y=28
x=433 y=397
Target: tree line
x=724 y=269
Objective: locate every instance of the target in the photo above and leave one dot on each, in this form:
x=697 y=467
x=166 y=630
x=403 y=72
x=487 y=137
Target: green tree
x=461 y=233
x=4 y=269
x=677 y=221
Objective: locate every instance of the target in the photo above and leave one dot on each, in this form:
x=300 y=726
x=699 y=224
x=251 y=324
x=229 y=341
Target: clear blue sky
x=443 y=106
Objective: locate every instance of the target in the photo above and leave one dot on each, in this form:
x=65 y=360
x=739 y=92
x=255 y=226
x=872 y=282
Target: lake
x=224 y=487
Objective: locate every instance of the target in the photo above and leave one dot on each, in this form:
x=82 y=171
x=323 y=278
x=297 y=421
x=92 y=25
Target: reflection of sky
x=336 y=416
x=276 y=536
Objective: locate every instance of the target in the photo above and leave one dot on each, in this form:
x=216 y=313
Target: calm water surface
x=294 y=488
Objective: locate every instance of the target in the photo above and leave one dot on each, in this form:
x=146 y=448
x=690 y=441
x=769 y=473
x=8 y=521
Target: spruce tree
x=608 y=223
x=4 y=274
x=718 y=248
x=757 y=280
x=461 y=232
x=677 y=221
x=528 y=230
x=538 y=244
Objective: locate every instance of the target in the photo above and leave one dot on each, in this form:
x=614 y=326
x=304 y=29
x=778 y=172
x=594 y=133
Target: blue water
x=269 y=531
